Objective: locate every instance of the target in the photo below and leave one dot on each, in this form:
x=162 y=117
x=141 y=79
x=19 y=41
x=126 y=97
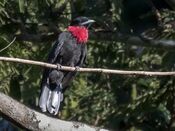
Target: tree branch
x=132 y=39
x=35 y=121
x=105 y=36
x=8 y=45
x=92 y=70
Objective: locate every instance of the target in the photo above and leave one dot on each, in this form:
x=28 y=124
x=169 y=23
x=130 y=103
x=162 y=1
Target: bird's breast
x=80 y=33
x=71 y=54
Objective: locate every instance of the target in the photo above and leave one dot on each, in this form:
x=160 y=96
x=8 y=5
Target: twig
x=8 y=44
x=93 y=70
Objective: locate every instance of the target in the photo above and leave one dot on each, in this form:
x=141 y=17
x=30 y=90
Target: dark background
x=110 y=101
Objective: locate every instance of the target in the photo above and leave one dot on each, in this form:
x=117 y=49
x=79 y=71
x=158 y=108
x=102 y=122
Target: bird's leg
x=77 y=68
x=58 y=66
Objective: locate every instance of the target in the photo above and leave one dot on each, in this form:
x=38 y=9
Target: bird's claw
x=77 y=68
x=59 y=66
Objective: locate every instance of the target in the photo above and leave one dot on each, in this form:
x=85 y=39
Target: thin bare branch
x=92 y=70
x=8 y=44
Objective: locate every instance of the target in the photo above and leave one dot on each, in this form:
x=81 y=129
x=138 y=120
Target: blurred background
x=115 y=102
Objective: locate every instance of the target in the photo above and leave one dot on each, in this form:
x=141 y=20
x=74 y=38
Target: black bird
x=69 y=50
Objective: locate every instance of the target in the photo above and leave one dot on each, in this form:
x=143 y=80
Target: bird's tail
x=50 y=99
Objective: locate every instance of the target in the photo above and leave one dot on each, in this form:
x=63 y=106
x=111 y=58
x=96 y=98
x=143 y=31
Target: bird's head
x=79 y=28
x=82 y=21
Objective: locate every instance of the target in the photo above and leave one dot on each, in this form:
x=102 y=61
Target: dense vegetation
x=110 y=101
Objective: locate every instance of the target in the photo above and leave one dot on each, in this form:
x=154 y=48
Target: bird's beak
x=88 y=22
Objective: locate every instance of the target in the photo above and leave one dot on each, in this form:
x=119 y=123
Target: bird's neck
x=80 y=33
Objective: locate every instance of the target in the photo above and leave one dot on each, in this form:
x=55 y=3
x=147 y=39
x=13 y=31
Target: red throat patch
x=80 y=33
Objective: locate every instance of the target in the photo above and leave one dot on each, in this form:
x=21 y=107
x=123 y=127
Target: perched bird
x=69 y=50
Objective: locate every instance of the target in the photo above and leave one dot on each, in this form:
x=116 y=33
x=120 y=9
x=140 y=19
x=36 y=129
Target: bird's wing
x=70 y=75
x=55 y=51
x=50 y=98
x=57 y=47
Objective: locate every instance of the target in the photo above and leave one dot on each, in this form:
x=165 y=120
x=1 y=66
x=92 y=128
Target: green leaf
x=21 y=6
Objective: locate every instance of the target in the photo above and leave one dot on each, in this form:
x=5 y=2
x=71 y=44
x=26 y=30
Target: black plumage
x=67 y=51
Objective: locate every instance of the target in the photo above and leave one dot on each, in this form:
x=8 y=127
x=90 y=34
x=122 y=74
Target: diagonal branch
x=8 y=45
x=92 y=70
x=35 y=121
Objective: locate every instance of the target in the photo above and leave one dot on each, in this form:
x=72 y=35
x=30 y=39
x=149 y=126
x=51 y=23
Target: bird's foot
x=58 y=66
x=77 y=68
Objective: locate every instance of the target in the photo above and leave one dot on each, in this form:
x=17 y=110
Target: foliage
x=112 y=101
